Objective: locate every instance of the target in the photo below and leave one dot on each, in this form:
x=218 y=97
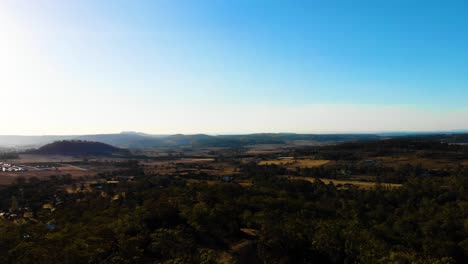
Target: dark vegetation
x=8 y=155
x=78 y=148
x=163 y=220
x=135 y=217
x=366 y=158
x=141 y=140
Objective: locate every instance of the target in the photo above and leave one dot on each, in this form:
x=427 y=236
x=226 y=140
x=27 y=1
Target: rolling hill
x=134 y=140
x=78 y=148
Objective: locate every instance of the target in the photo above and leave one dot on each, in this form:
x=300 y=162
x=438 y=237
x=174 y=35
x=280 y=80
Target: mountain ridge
x=139 y=140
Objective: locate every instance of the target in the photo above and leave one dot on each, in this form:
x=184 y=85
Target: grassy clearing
x=30 y=158
x=276 y=162
x=293 y=163
x=10 y=177
x=310 y=163
x=196 y=160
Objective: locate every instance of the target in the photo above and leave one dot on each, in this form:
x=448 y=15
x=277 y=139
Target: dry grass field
x=35 y=159
x=293 y=163
x=33 y=169
x=28 y=158
x=276 y=162
x=10 y=177
x=310 y=163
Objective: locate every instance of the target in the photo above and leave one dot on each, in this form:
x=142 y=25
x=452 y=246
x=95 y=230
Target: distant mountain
x=132 y=140
x=136 y=140
x=141 y=140
x=423 y=133
x=78 y=148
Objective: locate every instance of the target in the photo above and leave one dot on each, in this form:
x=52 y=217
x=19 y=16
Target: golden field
x=302 y=163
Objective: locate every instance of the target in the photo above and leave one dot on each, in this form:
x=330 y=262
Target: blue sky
x=234 y=66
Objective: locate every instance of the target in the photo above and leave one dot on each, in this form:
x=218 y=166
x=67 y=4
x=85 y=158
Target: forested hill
x=77 y=148
x=140 y=140
x=143 y=141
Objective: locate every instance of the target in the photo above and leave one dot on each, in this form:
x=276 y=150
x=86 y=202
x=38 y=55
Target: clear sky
x=240 y=66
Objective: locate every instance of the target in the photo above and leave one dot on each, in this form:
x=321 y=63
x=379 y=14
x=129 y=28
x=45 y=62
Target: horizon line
x=456 y=131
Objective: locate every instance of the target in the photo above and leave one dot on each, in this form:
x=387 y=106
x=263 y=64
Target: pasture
x=293 y=163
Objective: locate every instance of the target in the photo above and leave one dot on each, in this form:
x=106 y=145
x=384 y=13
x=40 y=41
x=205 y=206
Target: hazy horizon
x=232 y=67
x=416 y=132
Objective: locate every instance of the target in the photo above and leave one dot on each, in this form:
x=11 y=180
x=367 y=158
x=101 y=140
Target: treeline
x=164 y=220
x=420 y=146
x=8 y=155
x=345 y=170
x=398 y=174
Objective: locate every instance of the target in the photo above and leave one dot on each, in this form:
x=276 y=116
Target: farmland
x=46 y=166
x=301 y=163
x=361 y=167
x=229 y=204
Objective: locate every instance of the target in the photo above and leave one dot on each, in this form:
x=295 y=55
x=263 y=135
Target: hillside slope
x=77 y=148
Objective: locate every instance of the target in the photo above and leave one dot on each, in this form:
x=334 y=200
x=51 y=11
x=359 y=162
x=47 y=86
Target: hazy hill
x=142 y=141
x=78 y=148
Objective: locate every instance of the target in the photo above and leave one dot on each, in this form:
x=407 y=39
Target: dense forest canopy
x=159 y=219
x=77 y=147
